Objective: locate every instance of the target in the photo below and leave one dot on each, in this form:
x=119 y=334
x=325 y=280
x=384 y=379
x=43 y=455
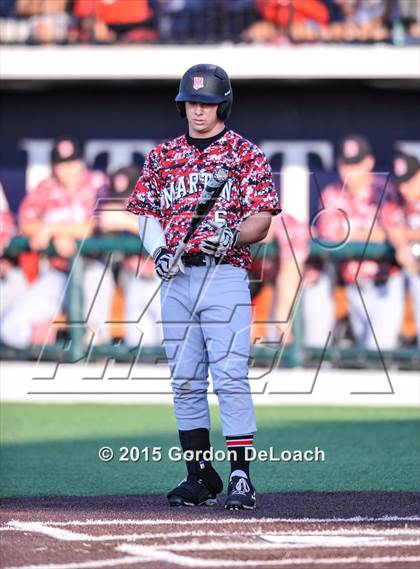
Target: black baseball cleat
x=194 y=491
x=241 y=493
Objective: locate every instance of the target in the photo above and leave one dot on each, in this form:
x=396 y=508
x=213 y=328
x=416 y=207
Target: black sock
x=238 y=444
x=198 y=440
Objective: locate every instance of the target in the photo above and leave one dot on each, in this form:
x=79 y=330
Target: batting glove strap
x=163 y=259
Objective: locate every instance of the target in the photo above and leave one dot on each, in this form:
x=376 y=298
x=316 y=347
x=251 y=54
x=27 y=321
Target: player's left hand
x=219 y=244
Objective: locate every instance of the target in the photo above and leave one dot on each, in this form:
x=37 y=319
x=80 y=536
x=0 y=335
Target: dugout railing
x=72 y=347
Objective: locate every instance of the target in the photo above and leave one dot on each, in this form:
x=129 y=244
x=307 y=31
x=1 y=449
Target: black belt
x=202 y=260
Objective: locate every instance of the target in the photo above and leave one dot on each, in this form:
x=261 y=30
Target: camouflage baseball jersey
x=361 y=210
x=175 y=173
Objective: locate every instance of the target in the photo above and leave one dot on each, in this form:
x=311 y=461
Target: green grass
x=53 y=449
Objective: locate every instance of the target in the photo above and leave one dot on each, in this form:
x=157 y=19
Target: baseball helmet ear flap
x=181 y=109
x=224 y=109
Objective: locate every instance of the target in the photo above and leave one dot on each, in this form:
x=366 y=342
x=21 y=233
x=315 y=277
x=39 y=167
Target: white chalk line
x=292 y=542
x=129 y=560
x=171 y=521
x=340 y=541
x=184 y=561
x=139 y=554
x=6 y=528
x=67 y=535
x=149 y=555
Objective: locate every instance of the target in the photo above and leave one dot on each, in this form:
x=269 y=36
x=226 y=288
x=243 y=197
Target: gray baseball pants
x=206 y=317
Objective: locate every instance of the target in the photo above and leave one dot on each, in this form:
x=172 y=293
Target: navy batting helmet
x=206 y=83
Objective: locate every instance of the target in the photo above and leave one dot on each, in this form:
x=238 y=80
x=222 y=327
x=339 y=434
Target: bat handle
x=178 y=254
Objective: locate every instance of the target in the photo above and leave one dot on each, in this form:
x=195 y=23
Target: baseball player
x=292 y=237
x=60 y=210
x=136 y=274
x=349 y=209
x=402 y=219
x=206 y=309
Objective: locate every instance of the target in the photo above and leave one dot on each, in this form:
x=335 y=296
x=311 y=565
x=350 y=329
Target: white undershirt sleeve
x=151 y=233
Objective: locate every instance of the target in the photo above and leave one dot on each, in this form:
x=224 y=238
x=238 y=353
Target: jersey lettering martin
x=175 y=173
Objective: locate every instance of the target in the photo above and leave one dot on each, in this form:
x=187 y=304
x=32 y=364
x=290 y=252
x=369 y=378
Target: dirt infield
x=344 y=529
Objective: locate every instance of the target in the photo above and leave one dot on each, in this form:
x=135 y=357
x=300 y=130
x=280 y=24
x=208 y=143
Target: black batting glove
x=224 y=239
x=163 y=261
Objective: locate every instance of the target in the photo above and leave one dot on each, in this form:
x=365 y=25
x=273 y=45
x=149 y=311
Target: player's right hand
x=163 y=261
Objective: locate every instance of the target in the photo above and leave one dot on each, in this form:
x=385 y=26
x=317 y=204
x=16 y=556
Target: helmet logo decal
x=198 y=83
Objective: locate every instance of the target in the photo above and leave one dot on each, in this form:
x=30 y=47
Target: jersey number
x=220 y=216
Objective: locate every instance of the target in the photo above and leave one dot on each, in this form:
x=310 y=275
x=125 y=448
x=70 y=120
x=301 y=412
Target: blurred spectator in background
x=209 y=21
x=136 y=275
x=48 y=20
x=349 y=210
x=360 y=21
x=301 y=20
x=409 y=16
x=59 y=210
x=12 y=280
x=106 y=21
x=325 y=21
x=403 y=224
x=34 y=21
x=203 y=21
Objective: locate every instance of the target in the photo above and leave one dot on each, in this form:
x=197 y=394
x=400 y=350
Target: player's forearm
x=151 y=233
x=111 y=220
x=377 y=235
x=271 y=234
x=255 y=228
x=31 y=228
x=71 y=230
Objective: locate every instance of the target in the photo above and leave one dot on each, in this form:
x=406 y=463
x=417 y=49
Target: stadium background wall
x=386 y=112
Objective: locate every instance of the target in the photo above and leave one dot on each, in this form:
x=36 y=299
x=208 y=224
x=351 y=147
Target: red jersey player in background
x=60 y=210
x=292 y=238
x=348 y=213
x=403 y=224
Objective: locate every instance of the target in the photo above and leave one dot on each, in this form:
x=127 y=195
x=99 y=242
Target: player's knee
x=188 y=386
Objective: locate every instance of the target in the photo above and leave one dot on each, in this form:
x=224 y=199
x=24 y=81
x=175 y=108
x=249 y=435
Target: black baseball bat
x=206 y=201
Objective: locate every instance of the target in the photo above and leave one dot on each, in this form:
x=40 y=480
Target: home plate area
x=81 y=537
